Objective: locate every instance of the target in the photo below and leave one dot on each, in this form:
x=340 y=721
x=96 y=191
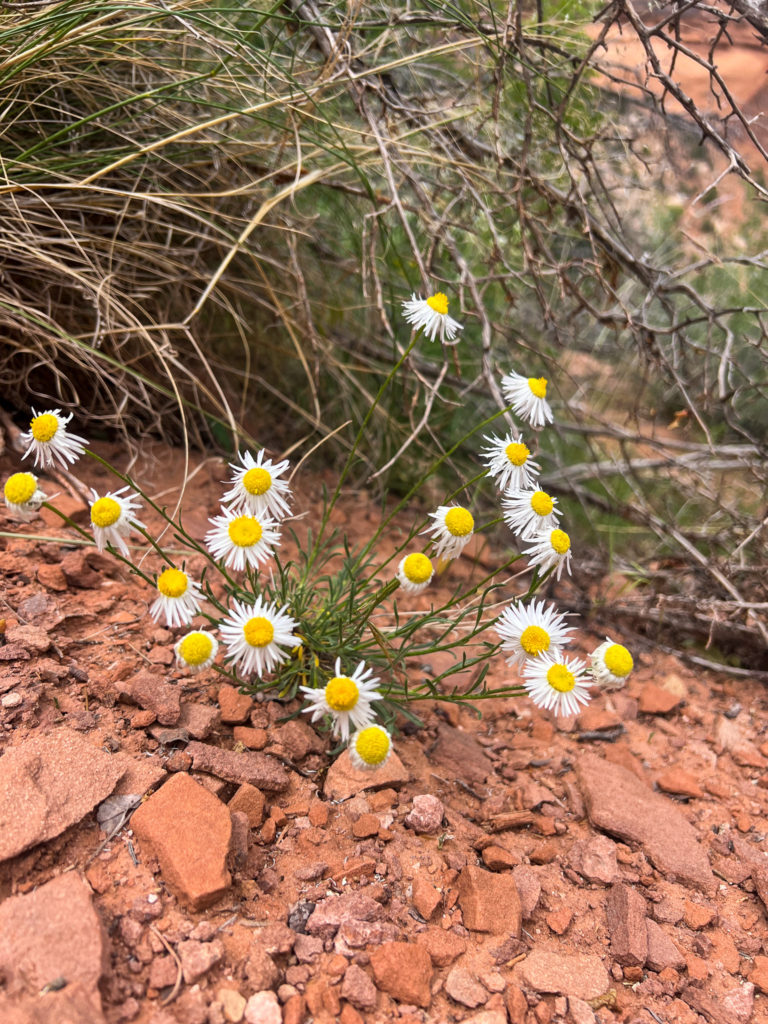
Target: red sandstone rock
x=189 y=832
x=697 y=916
x=655 y=700
x=426 y=898
x=358 y=988
x=662 y=952
x=235 y=707
x=462 y=986
x=404 y=971
x=443 y=946
x=426 y=816
x=250 y=801
x=496 y=858
x=197 y=958
x=343 y=781
x=53 y=932
x=595 y=859
x=257 y=769
x=619 y=803
x=47 y=783
x=253 y=739
x=367 y=825
x=199 y=720
x=679 y=782
x=150 y=692
x=336 y=910
x=625 y=916
x=528 y=889
x=572 y=974
x=489 y=902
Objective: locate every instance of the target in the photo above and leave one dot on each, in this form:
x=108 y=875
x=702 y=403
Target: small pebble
x=11 y=700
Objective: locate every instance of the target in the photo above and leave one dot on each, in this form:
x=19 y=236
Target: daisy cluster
x=534 y=635
x=259 y=637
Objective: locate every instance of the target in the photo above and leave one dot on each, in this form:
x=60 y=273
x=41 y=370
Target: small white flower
x=510 y=464
x=528 y=398
x=256 y=488
x=347 y=699
x=112 y=519
x=255 y=635
x=48 y=440
x=528 y=513
x=528 y=631
x=197 y=650
x=558 y=685
x=415 y=572
x=22 y=495
x=432 y=315
x=239 y=539
x=452 y=530
x=179 y=598
x=611 y=664
x=550 y=549
x=370 y=748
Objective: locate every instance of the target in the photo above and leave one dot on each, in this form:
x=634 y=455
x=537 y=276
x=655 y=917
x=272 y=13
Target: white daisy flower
x=528 y=398
x=370 y=748
x=611 y=664
x=559 y=685
x=432 y=315
x=22 y=495
x=239 y=539
x=550 y=549
x=452 y=530
x=256 y=488
x=415 y=572
x=112 y=519
x=48 y=440
x=197 y=650
x=347 y=699
x=529 y=513
x=510 y=464
x=179 y=598
x=255 y=635
x=528 y=631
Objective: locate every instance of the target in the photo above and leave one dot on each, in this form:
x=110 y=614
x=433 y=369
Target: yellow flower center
x=19 y=488
x=245 y=531
x=538 y=386
x=44 y=427
x=561 y=678
x=517 y=453
x=560 y=541
x=459 y=522
x=105 y=512
x=439 y=303
x=341 y=693
x=534 y=640
x=195 y=648
x=541 y=503
x=172 y=583
x=417 y=568
x=258 y=631
x=372 y=745
x=257 y=480
x=618 y=660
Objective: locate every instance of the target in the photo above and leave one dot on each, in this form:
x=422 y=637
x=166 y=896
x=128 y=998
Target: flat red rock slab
x=257 y=770
x=189 y=831
x=582 y=975
x=619 y=803
x=53 y=932
x=48 y=783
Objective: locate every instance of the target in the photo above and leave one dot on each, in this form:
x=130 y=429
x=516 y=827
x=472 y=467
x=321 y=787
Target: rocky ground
x=174 y=851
